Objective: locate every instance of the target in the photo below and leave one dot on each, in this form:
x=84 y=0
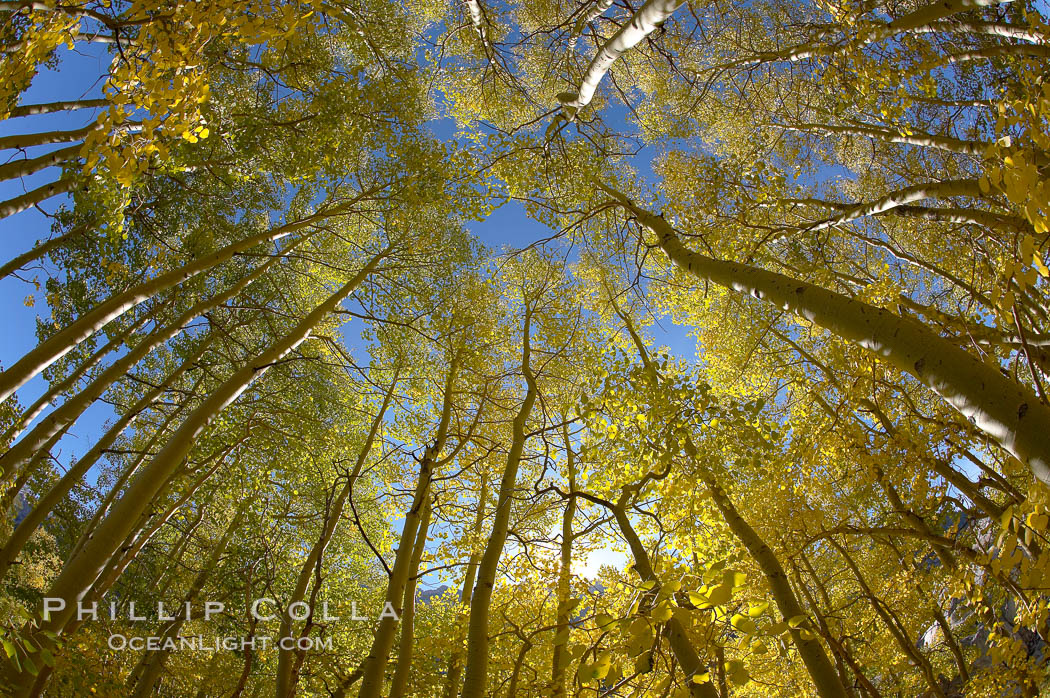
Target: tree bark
x=30 y=199
x=905 y=643
x=81 y=571
x=150 y=668
x=644 y=22
x=455 y=662
x=286 y=681
x=374 y=665
x=52 y=107
x=403 y=667
x=46 y=504
x=28 y=140
x=681 y=646
x=476 y=671
x=1006 y=411
x=559 y=656
x=24 y=168
x=59 y=344
x=825 y=678
x=43 y=248
x=71 y=409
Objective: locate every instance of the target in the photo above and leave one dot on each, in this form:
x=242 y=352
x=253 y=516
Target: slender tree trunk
x=825 y=678
x=285 y=683
x=941 y=467
x=81 y=571
x=644 y=22
x=825 y=631
x=151 y=666
x=30 y=199
x=476 y=672
x=141 y=534
x=837 y=646
x=596 y=10
x=63 y=341
x=44 y=248
x=925 y=140
x=71 y=409
x=681 y=645
x=24 y=168
x=560 y=657
x=515 y=674
x=52 y=107
x=898 y=632
x=161 y=432
x=403 y=667
x=43 y=455
x=28 y=140
x=375 y=664
x=46 y=504
x=455 y=662
x=62 y=386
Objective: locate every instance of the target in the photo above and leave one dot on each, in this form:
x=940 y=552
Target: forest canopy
x=541 y=349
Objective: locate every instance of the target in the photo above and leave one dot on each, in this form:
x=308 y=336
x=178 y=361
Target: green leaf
x=643 y=663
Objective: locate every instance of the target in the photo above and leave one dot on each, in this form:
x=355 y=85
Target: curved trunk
x=681 y=645
x=71 y=409
x=30 y=199
x=43 y=249
x=560 y=657
x=53 y=391
x=52 y=107
x=455 y=662
x=60 y=489
x=374 y=665
x=286 y=679
x=643 y=23
x=24 y=168
x=1006 y=411
x=88 y=531
x=152 y=665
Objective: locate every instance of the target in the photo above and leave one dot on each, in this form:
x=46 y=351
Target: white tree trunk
x=59 y=344
x=1006 y=411
x=650 y=16
x=81 y=571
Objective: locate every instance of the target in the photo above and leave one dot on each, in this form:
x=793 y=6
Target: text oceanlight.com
x=199 y=643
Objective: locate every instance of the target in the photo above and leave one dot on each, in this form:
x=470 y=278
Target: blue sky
x=77 y=77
